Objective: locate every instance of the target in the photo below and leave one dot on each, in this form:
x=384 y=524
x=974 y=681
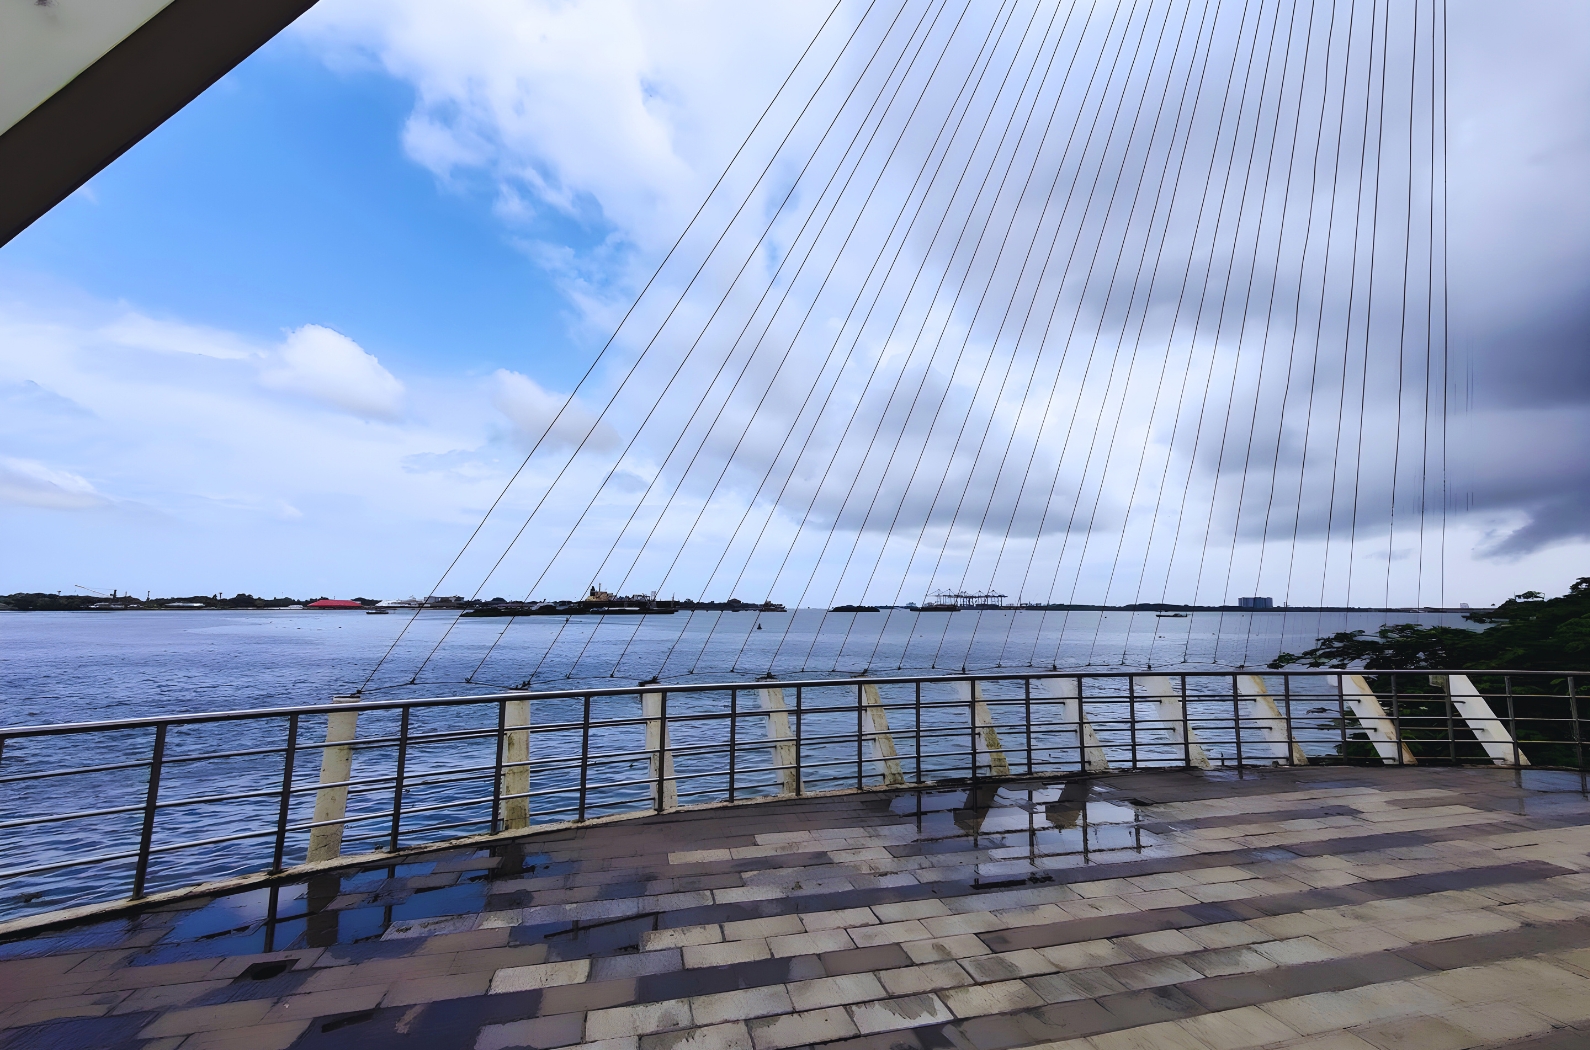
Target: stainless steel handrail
x=699 y=744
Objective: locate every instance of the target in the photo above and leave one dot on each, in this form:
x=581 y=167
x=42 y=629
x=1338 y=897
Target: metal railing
x=101 y=811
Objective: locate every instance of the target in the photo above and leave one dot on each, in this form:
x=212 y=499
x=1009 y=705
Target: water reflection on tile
x=1165 y=909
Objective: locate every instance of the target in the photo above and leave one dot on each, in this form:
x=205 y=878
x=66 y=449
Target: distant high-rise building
x=1256 y=603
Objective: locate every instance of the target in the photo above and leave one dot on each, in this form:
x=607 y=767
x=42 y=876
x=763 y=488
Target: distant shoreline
x=68 y=603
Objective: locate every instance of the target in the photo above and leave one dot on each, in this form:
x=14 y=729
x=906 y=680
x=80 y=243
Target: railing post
x=734 y=721
x=1131 y=715
x=883 y=749
x=1291 y=739
x=1236 y=717
x=861 y=741
x=336 y=766
x=1512 y=720
x=1026 y=697
x=157 y=757
x=665 y=790
x=289 y=760
x=499 y=743
x=1573 y=712
x=785 y=750
x=585 y=752
x=397 y=779
x=800 y=726
x=515 y=768
x=917 y=730
x=1396 y=722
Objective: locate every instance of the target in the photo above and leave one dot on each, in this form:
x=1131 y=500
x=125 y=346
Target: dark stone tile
x=637 y=965
x=1333 y=975
x=452 y=1024
x=864 y=960
x=1150 y=1006
x=681 y=984
x=1072 y=1020
x=997 y=1032
x=79 y=1033
x=1492 y=947
x=592 y=995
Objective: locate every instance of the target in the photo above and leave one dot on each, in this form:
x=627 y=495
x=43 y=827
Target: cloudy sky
x=299 y=339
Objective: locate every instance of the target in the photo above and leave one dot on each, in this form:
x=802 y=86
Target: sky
x=299 y=339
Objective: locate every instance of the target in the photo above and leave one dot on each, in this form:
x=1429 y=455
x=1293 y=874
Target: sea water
x=90 y=666
x=103 y=666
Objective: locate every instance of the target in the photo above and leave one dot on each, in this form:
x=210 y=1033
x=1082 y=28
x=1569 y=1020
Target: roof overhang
x=81 y=81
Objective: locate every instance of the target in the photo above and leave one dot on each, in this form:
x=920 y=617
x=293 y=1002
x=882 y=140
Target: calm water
x=68 y=667
x=74 y=667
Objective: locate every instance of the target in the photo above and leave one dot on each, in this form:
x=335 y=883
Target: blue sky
x=283 y=196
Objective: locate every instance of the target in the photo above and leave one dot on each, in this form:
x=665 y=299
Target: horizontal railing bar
x=14 y=732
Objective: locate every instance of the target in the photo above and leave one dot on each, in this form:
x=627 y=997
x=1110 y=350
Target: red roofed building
x=334 y=603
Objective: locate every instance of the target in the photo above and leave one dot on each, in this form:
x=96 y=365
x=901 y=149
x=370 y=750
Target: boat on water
x=378 y=612
x=1171 y=616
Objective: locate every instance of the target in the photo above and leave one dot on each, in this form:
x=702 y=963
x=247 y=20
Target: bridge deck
x=1333 y=908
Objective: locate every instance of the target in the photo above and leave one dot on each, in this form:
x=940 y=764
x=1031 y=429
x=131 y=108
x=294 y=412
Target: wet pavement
x=1331 y=908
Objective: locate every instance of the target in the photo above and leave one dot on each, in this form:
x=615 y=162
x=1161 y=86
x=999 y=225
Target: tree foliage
x=1526 y=633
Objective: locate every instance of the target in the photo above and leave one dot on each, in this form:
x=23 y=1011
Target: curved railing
x=99 y=812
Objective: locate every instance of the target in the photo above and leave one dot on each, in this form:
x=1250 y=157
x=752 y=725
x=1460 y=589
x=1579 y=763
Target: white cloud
x=171 y=337
x=532 y=410
x=334 y=370
x=29 y=483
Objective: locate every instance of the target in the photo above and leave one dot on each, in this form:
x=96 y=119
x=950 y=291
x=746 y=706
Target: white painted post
x=515 y=789
x=1486 y=724
x=1268 y=718
x=778 y=731
x=1173 y=712
x=1380 y=729
x=657 y=747
x=336 y=765
x=1092 y=756
x=983 y=722
x=882 y=740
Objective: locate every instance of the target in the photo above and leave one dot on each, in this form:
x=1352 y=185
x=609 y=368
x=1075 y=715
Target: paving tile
x=1152 y=973
x=641 y=1019
x=699 y=956
x=1416 y=1033
x=542 y=975
x=865 y=960
x=1230 y=1029
x=432 y=989
x=1325 y=1011
x=801 y=1028
x=741 y=1004
x=321 y=1004
x=90 y=1005
x=274 y=1036
x=889 y=1015
x=207 y=1019
x=962 y=946
x=835 y=991
x=811 y=943
x=1167 y=1035
x=542 y=1033
x=977 y=1000
x=1079 y=984
x=909 y=980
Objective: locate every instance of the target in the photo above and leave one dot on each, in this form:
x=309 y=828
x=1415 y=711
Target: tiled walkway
x=1329 y=908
